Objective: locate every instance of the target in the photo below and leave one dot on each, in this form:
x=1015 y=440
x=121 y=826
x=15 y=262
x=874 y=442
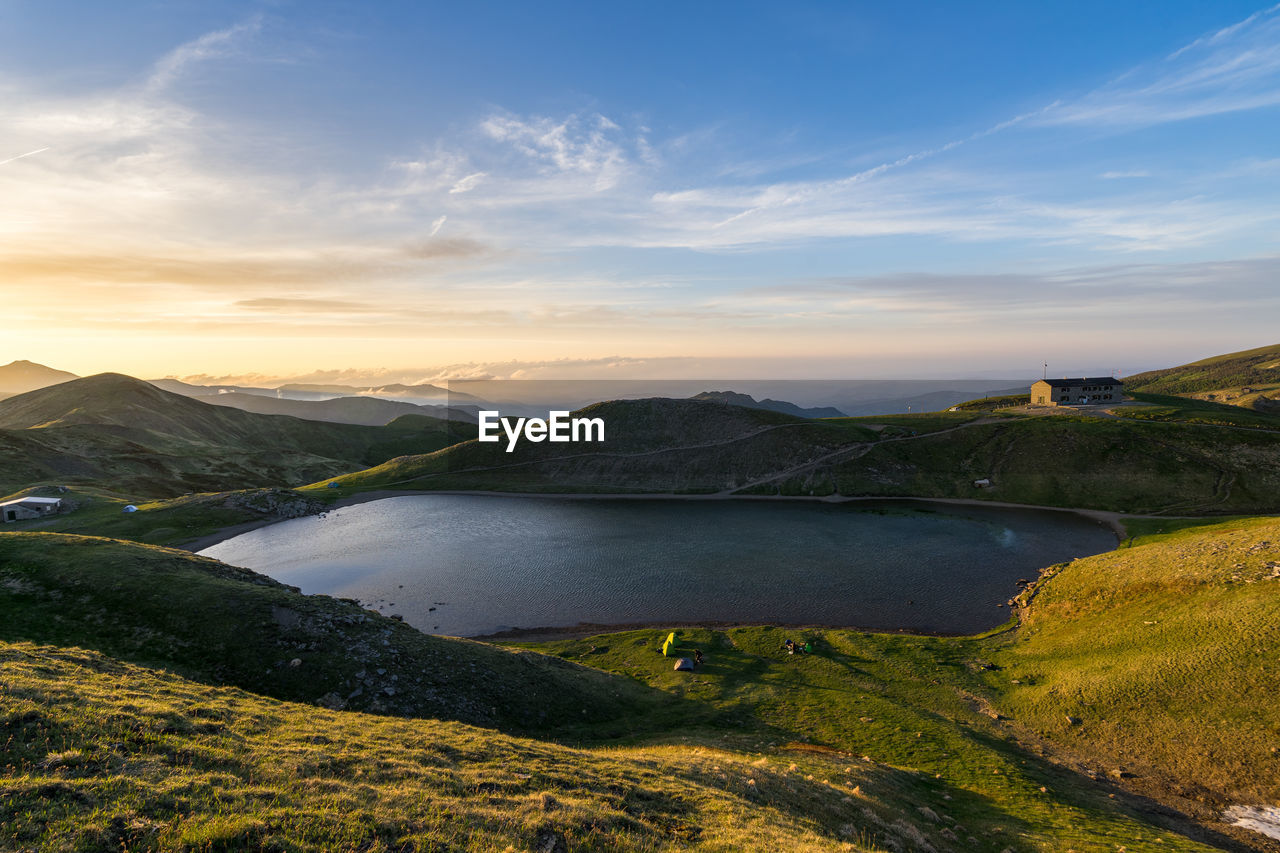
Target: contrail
x=20 y=156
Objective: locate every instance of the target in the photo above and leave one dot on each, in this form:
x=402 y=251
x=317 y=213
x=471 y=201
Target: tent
x=684 y=665
x=130 y=508
x=672 y=642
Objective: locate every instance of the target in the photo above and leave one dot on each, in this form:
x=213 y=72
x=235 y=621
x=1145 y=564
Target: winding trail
x=854 y=451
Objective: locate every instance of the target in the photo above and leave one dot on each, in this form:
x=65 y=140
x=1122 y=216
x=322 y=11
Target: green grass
x=1110 y=464
x=102 y=755
x=892 y=700
x=1184 y=410
x=1164 y=652
x=172 y=521
x=918 y=422
x=990 y=404
x=1259 y=366
x=1142 y=531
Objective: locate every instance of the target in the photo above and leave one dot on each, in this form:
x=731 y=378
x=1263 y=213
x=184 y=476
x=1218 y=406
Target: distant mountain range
x=805 y=398
x=430 y=397
x=127 y=435
x=732 y=398
x=367 y=411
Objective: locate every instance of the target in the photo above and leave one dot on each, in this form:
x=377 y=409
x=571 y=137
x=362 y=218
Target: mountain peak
x=20 y=376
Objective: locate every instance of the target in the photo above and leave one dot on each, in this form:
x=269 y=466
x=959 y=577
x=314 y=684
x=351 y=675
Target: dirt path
x=855 y=451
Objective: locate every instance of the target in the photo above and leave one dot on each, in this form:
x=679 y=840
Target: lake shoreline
x=1109 y=518
x=591 y=629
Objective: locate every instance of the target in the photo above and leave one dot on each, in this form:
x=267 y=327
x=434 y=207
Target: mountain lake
x=470 y=565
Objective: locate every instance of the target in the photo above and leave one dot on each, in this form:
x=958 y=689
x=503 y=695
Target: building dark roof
x=1071 y=383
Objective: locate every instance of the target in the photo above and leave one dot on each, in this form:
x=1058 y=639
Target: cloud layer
x=145 y=209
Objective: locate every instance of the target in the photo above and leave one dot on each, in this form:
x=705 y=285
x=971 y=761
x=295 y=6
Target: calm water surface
x=470 y=565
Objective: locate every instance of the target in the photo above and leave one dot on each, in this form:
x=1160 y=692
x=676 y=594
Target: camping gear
x=684 y=665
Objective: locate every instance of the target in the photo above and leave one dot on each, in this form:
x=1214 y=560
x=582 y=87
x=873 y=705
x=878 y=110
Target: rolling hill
x=1221 y=373
x=118 y=432
x=1186 y=463
x=652 y=445
x=233 y=626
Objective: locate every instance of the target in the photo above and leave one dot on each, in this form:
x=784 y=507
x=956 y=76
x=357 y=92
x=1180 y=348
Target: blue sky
x=795 y=190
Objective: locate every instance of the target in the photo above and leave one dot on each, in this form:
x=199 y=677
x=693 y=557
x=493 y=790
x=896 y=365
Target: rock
x=550 y=841
x=1073 y=721
x=1119 y=773
x=332 y=701
x=280 y=503
x=286 y=617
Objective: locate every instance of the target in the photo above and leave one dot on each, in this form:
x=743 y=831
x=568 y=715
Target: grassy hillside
x=1163 y=656
x=168 y=521
x=121 y=433
x=1183 y=410
x=1259 y=366
x=884 y=741
x=1189 y=458
x=103 y=755
x=1111 y=464
x=227 y=625
x=990 y=404
x=656 y=445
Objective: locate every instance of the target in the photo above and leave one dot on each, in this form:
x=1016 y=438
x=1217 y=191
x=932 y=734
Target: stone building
x=1077 y=392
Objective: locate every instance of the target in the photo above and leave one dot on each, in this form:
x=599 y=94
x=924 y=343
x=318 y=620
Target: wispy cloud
x=1234 y=69
x=1106 y=295
x=154 y=213
x=584 y=145
x=212 y=45
x=467 y=183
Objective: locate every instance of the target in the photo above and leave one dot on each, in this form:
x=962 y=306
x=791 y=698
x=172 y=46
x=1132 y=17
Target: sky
x=352 y=191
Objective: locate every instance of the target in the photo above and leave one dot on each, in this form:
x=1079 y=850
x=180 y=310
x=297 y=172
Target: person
x=697 y=657
x=789 y=645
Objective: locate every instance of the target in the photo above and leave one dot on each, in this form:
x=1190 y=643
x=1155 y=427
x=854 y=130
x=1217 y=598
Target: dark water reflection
x=487 y=564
